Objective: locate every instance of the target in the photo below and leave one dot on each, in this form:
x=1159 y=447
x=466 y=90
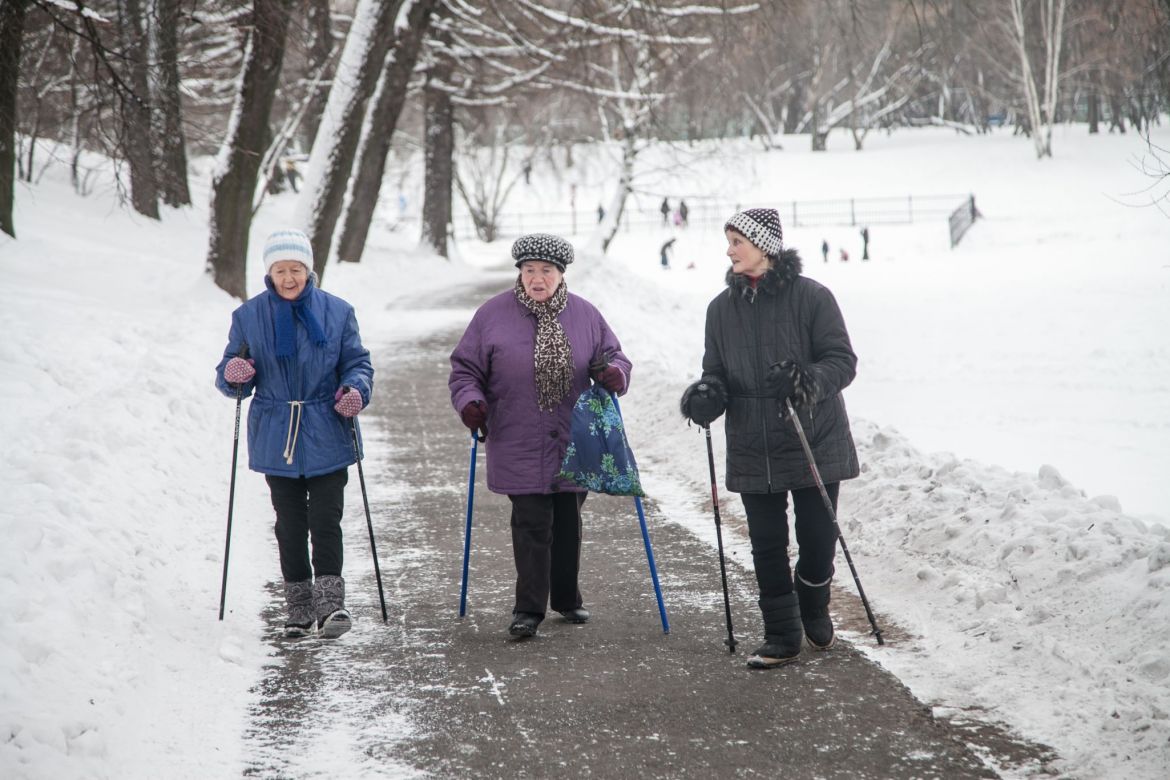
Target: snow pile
x=1060 y=599
x=115 y=485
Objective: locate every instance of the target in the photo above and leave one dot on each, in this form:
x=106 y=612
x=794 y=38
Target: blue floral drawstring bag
x=599 y=458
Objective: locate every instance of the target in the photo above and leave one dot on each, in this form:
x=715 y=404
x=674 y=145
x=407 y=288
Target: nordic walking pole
x=730 y=641
x=227 y=545
x=812 y=464
x=646 y=541
x=475 y=440
x=369 y=523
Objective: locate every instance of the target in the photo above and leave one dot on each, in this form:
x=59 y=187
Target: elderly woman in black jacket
x=776 y=335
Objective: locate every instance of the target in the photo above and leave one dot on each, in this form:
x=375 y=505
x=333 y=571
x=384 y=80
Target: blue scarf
x=286 y=329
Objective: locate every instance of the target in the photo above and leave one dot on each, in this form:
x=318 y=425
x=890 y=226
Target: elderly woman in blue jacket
x=296 y=349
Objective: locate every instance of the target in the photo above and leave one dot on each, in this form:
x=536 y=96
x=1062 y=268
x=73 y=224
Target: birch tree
x=1041 y=105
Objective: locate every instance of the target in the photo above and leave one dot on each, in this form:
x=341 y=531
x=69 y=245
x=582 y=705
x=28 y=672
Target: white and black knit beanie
x=287 y=245
x=761 y=227
x=543 y=246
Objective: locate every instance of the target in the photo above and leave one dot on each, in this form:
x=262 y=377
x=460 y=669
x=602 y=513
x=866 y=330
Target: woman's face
x=289 y=277
x=746 y=257
x=540 y=279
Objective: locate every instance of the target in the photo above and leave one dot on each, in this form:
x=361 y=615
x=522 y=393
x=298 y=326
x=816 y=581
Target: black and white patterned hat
x=543 y=246
x=761 y=227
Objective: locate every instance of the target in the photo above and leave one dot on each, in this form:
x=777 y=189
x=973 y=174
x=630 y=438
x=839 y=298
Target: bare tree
x=335 y=147
x=490 y=178
x=1041 y=107
x=234 y=181
x=12 y=14
x=135 y=109
x=321 y=48
x=172 y=152
x=439 y=146
x=381 y=119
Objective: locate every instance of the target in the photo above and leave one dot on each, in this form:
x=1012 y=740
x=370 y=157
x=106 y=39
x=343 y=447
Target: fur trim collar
x=783 y=271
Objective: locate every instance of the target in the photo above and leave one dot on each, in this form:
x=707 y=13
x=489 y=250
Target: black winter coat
x=786 y=317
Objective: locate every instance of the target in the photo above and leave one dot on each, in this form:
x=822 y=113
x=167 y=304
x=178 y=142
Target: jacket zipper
x=759 y=362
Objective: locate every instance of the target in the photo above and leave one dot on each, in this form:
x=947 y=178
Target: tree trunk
x=379 y=129
x=11 y=34
x=319 y=206
x=135 y=109
x=617 y=207
x=440 y=147
x=820 y=136
x=172 y=169
x=794 y=109
x=1095 y=102
x=320 y=26
x=234 y=182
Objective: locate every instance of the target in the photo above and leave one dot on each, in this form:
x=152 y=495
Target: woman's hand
x=349 y=401
x=704 y=401
x=238 y=370
x=611 y=378
x=474 y=415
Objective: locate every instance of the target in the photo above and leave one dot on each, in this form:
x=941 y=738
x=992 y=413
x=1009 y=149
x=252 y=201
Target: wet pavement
x=431 y=694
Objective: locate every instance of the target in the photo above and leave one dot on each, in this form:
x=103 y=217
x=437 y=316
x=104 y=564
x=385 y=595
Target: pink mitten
x=349 y=402
x=238 y=370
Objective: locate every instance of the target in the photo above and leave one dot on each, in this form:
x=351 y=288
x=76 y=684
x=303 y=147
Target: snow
x=1012 y=412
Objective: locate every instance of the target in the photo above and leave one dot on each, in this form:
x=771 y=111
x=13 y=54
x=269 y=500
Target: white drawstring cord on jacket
x=294 y=429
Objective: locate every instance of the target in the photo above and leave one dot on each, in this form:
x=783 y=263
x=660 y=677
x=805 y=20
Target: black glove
x=780 y=380
x=704 y=401
x=789 y=379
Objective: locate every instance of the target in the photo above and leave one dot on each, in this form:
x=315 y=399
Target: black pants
x=546 y=543
x=309 y=507
x=816 y=538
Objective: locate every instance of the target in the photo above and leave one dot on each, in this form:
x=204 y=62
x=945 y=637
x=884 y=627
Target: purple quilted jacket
x=493 y=362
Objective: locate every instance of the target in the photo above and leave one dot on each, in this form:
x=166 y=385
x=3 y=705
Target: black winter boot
x=814 y=613
x=524 y=624
x=333 y=619
x=298 y=597
x=782 y=632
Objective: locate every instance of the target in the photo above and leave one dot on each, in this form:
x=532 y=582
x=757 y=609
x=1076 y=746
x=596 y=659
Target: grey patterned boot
x=329 y=602
x=298 y=597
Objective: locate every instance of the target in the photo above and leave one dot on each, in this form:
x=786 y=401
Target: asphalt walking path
x=431 y=694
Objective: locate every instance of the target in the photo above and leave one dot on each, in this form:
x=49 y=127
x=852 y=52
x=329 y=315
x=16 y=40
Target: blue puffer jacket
x=323 y=438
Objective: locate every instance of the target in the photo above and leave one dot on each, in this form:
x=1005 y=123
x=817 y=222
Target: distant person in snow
x=296 y=349
x=772 y=335
x=683 y=212
x=865 y=243
x=844 y=255
x=825 y=250
x=664 y=254
x=516 y=374
x=600 y=214
x=665 y=210
x=291 y=173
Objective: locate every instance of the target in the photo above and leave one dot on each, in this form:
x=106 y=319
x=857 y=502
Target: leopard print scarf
x=553 y=355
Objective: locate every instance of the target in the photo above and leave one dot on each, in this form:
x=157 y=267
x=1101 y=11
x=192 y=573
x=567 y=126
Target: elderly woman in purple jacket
x=515 y=375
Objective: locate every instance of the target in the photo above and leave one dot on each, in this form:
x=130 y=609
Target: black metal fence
x=712 y=214
x=961 y=219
